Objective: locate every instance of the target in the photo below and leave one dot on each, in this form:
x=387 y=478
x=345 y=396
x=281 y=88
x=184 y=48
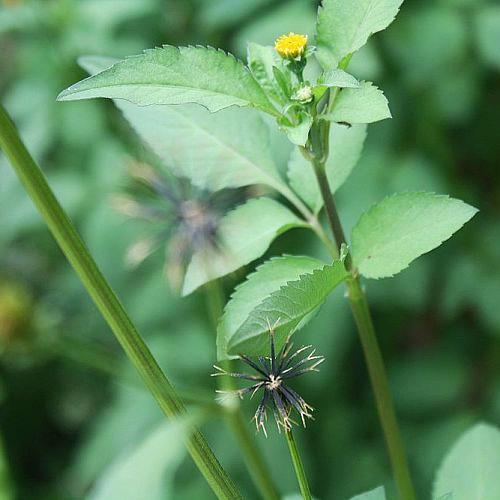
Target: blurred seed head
x=176 y=217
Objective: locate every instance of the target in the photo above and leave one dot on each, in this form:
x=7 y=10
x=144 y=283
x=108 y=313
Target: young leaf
x=262 y=60
x=344 y=26
x=470 y=470
x=285 y=310
x=298 y=134
x=186 y=137
x=346 y=144
x=244 y=234
x=144 y=468
x=268 y=278
x=171 y=75
x=402 y=227
x=376 y=494
x=366 y=104
x=338 y=78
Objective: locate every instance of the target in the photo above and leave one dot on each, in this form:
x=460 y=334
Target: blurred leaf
x=268 y=278
x=147 y=470
x=402 y=227
x=346 y=144
x=366 y=104
x=470 y=470
x=205 y=76
x=220 y=14
x=244 y=234
x=421 y=65
x=488 y=34
x=106 y=14
x=213 y=151
x=344 y=26
x=338 y=78
x=376 y=494
x=285 y=309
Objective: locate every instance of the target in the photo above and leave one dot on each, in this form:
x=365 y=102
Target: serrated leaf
x=268 y=278
x=285 y=309
x=145 y=468
x=470 y=470
x=376 y=494
x=344 y=26
x=402 y=227
x=366 y=104
x=214 y=151
x=338 y=78
x=244 y=234
x=171 y=75
x=346 y=144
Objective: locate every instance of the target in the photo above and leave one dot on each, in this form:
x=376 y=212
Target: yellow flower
x=291 y=46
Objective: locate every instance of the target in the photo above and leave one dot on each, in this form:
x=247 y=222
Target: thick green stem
x=298 y=466
x=371 y=349
x=233 y=412
x=108 y=304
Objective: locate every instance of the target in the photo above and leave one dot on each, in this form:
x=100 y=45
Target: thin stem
x=234 y=414
x=108 y=304
x=371 y=350
x=298 y=466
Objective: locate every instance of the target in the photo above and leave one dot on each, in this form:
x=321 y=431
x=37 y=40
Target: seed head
x=291 y=46
x=273 y=373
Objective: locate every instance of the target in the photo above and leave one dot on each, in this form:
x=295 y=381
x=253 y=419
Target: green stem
x=371 y=349
x=234 y=414
x=298 y=466
x=108 y=304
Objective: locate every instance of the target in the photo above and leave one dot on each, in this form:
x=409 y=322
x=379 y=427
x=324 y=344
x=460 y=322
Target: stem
x=234 y=414
x=371 y=350
x=298 y=466
x=108 y=304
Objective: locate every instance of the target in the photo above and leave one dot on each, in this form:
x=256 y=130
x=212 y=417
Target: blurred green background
x=71 y=408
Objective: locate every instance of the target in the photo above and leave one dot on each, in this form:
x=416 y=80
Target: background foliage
x=73 y=418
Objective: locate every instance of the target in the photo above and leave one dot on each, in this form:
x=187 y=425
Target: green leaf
x=244 y=234
x=338 y=78
x=149 y=467
x=268 y=278
x=470 y=470
x=346 y=144
x=262 y=61
x=298 y=134
x=402 y=227
x=366 y=104
x=488 y=34
x=214 y=151
x=344 y=26
x=376 y=494
x=286 y=309
x=171 y=75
